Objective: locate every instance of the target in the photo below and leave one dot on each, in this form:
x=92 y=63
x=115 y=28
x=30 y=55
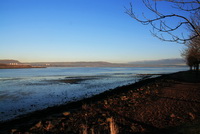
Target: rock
x=49 y=126
x=104 y=115
x=66 y=113
x=105 y=102
x=135 y=94
x=140 y=89
x=38 y=125
x=84 y=106
x=13 y=131
x=133 y=128
x=124 y=98
x=172 y=116
x=156 y=91
x=192 y=116
x=148 y=92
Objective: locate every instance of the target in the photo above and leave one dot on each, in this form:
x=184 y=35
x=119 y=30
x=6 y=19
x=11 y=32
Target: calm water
x=27 y=90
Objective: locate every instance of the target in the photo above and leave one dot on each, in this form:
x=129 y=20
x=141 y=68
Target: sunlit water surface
x=26 y=90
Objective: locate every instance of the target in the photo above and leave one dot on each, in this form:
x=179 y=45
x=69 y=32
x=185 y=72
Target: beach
x=167 y=104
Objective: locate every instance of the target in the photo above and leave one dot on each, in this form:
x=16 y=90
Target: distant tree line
x=163 y=29
x=192 y=53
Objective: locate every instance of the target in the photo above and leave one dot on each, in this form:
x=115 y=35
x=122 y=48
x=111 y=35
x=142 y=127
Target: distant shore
x=166 y=104
x=154 y=63
x=6 y=66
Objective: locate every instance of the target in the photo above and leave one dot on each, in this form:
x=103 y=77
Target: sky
x=78 y=30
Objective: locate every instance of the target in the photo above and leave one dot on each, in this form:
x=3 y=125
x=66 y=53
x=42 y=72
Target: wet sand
x=167 y=104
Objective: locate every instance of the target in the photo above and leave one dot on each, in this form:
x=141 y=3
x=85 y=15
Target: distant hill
x=177 y=61
x=14 y=64
x=79 y=64
x=9 y=61
x=152 y=63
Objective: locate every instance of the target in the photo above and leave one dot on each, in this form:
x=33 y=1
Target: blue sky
x=77 y=30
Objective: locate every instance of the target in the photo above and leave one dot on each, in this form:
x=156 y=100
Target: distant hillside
x=155 y=63
x=79 y=64
x=9 y=61
x=6 y=66
x=152 y=63
x=177 y=61
x=14 y=64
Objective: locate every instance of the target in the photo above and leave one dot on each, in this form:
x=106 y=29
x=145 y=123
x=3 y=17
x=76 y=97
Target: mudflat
x=166 y=104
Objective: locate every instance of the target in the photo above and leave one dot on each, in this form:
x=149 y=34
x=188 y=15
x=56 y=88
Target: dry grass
x=113 y=126
x=84 y=129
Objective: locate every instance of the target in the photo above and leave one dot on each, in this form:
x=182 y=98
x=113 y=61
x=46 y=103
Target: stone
x=13 y=131
x=49 y=126
x=192 y=116
x=38 y=125
x=105 y=102
x=66 y=113
x=124 y=98
x=172 y=116
x=135 y=95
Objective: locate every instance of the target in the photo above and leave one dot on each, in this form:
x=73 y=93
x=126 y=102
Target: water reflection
x=26 y=90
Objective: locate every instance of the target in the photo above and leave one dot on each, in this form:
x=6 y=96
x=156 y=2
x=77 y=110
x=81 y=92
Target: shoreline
x=142 y=91
x=73 y=104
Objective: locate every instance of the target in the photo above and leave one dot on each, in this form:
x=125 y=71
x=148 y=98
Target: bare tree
x=161 y=24
x=191 y=61
x=192 y=53
x=189 y=54
x=195 y=46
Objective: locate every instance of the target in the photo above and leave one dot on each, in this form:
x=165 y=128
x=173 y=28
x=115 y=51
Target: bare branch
x=181 y=2
x=160 y=18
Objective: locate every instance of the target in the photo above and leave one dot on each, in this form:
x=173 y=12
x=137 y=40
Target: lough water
x=26 y=90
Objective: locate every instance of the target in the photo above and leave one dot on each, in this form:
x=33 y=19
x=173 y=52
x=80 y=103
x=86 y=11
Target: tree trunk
x=190 y=68
x=197 y=69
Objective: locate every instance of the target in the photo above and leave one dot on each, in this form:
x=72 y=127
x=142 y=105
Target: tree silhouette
x=189 y=55
x=161 y=24
x=192 y=52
